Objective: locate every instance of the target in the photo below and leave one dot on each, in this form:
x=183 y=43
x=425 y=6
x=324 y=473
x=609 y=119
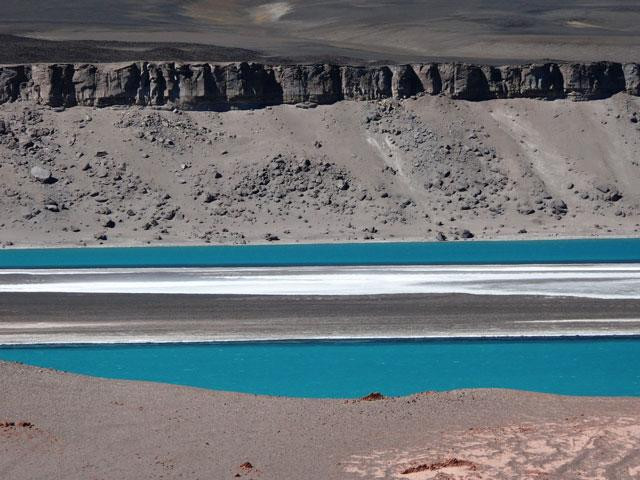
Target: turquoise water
x=353 y=369
x=406 y=253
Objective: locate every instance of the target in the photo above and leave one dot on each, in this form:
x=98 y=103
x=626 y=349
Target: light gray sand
x=81 y=427
x=53 y=317
x=388 y=170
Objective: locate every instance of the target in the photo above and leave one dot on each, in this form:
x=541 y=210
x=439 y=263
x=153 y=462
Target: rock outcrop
x=204 y=86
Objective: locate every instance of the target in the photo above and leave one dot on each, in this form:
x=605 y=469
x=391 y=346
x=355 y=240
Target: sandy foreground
x=57 y=425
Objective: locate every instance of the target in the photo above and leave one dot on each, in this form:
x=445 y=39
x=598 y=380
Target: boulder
x=558 y=207
x=42 y=175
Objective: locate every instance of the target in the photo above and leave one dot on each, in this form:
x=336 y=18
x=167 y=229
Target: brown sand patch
x=8 y=425
x=446 y=464
x=593 y=447
x=247 y=468
x=372 y=397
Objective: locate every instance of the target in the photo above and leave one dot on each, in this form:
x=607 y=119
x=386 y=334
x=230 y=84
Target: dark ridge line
x=244 y=85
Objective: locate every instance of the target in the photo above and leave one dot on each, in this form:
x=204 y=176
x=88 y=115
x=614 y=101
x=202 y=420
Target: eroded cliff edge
x=207 y=86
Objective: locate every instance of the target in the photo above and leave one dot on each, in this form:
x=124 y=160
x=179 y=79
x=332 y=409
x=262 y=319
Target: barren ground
x=55 y=425
x=395 y=30
x=353 y=171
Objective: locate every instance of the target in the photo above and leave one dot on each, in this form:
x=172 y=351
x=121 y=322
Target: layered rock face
x=204 y=86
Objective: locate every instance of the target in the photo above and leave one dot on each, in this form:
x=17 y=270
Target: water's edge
x=181 y=340
x=582 y=367
x=611 y=250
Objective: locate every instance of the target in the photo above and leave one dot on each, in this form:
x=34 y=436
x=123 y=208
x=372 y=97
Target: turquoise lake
x=353 y=369
x=400 y=253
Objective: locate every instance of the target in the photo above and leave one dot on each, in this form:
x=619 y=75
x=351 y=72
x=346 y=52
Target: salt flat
x=587 y=281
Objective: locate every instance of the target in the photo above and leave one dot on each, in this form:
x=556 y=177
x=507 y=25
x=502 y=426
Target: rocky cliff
x=205 y=86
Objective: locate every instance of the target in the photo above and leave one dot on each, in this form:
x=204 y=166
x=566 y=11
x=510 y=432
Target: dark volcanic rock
x=405 y=82
x=558 y=207
x=204 y=86
x=465 y=82
x=366 y=83
x=318 y=84
x=541 y=81
x=53 y=85
x=593 y=80
x=632 y=78
x=428 y=77
x=11 y=80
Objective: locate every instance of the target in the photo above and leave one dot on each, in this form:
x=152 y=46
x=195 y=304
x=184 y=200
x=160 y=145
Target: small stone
x=25 y=142
x=42 y=175
x=52 y=206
